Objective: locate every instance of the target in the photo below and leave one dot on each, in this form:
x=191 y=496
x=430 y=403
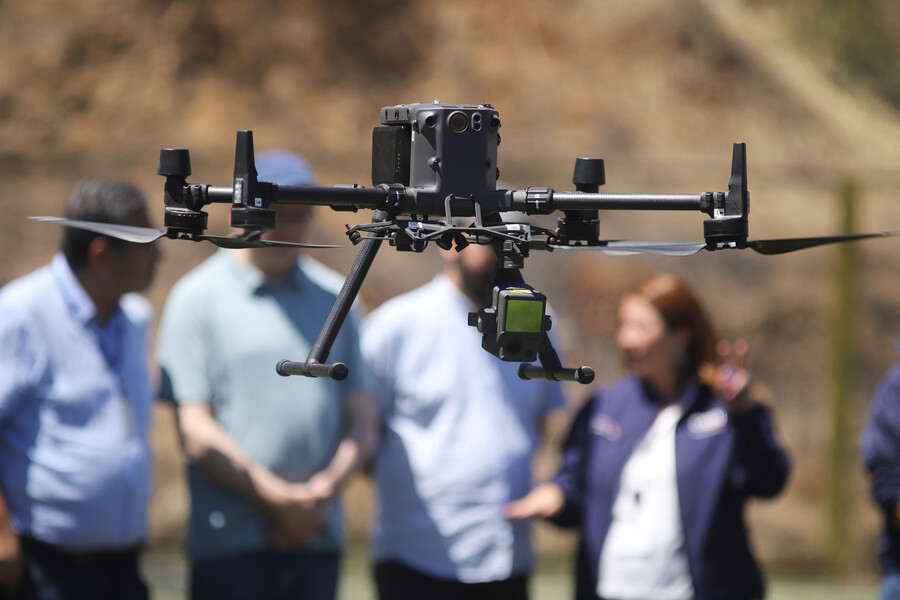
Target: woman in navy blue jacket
x=658 y=465
x=881 y=450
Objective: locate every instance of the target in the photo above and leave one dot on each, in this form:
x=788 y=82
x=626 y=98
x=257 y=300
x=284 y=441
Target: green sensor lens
x=524 y=316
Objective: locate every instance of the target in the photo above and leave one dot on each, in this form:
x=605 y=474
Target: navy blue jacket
x=881 y=451
x=721 y=460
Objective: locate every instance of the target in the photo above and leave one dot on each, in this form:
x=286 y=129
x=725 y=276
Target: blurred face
x=477 y=265
x=649 y=349
x=135 y=264
x=292 y=225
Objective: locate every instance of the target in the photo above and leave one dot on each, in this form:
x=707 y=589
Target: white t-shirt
x=643 y=556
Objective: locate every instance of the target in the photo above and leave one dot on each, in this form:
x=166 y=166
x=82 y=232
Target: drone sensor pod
x=513 y=326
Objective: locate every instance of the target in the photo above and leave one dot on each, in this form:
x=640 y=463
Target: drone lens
x=458 y=122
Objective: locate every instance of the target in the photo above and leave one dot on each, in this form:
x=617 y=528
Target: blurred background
x=660 y=89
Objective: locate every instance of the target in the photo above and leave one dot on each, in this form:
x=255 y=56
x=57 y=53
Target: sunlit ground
x=552 y=581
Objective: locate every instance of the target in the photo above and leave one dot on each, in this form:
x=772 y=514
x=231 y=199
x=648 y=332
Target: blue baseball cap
x=284 y=168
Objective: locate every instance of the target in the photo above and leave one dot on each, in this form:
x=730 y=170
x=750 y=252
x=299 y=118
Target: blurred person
x=266 y=455
x=657 y=466
x=880 y=443
x=459 y=435
x=75 y=408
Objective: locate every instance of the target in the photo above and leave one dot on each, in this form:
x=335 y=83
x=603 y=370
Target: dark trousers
x=398 y=582
x=266 y=575
x=51 y=573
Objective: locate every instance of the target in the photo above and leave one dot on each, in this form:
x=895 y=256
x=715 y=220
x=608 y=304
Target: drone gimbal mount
x=435 y=163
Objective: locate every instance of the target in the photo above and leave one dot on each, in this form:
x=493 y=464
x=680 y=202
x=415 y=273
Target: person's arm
x=562 y=499
x=293 y=509
x=18 y=356
x=545 y=501
x=764 y=465
x=10 y=553
x=355 y=448
x=880 y=446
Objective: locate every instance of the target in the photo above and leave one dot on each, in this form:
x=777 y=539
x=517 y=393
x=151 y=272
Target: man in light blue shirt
x=266 y=454
x=75 y=405
x=460 y=431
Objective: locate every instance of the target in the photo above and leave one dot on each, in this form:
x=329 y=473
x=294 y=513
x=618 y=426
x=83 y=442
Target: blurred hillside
x=659 y=88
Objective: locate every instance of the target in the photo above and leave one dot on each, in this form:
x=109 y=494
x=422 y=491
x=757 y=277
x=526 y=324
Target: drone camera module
x=514 y=326
x=520 y=322
x=523 y=312
x=457 y=122
x=445 y=149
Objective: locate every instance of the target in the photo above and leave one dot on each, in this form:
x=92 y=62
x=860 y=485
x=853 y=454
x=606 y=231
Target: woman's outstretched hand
x=543 y=501
x=732 y=381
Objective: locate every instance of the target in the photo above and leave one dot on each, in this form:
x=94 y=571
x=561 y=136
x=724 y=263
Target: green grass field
x=551 y=581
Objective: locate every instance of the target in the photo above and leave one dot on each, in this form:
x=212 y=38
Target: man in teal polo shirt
x=266 y=454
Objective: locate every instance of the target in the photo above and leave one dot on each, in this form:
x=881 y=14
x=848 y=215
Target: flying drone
x=433 y=165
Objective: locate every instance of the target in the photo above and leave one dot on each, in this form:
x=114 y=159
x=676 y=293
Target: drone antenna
x=728 y=227
x=250 y=203
x=738 y=195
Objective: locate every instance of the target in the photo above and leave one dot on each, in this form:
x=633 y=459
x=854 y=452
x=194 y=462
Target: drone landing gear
x=551 y=368
x=315 y=364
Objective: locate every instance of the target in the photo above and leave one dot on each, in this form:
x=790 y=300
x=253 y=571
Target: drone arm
x=586 y=201
x=338 y=197
x=315 y=365
x=219 y=194
x=546 y=201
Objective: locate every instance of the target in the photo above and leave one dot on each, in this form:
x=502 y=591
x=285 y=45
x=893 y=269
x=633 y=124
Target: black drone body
x=433 y=166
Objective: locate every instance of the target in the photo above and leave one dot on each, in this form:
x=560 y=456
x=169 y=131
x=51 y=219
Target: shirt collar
x=80 y=304
x=463 y=301
x=689 y=395
x=256 y=280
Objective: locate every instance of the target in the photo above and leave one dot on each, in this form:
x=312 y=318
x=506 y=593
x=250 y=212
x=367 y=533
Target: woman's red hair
x=680 y=308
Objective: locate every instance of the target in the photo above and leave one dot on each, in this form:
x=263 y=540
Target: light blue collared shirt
x=75 y=406
x=460 y=432
x=223 y=330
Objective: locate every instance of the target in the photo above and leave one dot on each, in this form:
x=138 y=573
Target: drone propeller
x=128 y=233
x=622 y=248
x=768 y=247
x=245 y=241
x=145 y=235
x=783 y=245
